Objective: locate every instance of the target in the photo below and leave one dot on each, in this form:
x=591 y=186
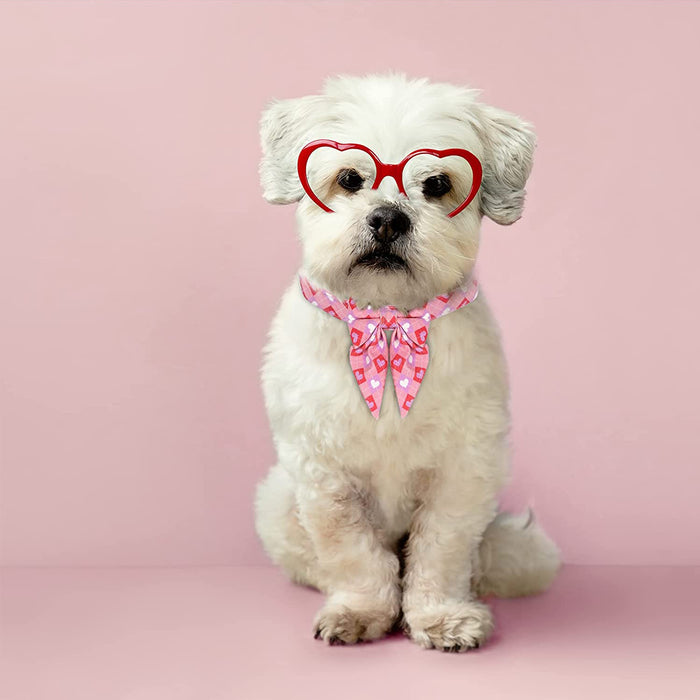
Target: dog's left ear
x=509 y=143
x=284 y=129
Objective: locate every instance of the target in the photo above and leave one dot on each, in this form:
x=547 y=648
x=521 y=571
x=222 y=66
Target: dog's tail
x=516 y=557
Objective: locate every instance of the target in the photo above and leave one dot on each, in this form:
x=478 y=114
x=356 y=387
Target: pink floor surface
x=245 y=634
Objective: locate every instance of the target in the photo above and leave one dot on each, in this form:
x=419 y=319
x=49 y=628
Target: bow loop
x=362 y=330
x=415 y=330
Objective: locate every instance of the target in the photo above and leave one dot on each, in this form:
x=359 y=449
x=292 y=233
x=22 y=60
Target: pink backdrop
x=133 y=232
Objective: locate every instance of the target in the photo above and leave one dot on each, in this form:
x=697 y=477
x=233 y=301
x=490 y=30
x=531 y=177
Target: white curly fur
x=346 y=488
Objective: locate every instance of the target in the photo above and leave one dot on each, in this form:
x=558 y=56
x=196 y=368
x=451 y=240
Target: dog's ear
x=509 y=143
x=285 y=126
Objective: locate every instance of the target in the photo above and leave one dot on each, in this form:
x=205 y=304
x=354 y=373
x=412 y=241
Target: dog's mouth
x=380 y=259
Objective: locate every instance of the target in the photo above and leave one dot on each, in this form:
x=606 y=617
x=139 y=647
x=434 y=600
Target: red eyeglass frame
x=394 y=170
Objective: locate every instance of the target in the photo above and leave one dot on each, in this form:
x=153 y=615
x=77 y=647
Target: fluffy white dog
x=395 y=518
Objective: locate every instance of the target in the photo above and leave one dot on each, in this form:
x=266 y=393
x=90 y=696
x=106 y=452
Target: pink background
x=133 y=233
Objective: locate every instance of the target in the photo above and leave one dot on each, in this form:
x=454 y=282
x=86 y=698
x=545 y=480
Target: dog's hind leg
x=516 y=557
x=277 y=524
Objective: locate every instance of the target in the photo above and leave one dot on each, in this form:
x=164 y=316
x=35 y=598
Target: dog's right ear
x=285 y=128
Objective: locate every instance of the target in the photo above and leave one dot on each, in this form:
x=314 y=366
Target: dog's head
x=382 y=246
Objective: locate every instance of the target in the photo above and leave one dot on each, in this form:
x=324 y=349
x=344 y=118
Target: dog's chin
x=379 y=261
x=382 y=277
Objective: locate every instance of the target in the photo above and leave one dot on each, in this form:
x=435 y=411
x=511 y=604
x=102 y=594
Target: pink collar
x=370 y=354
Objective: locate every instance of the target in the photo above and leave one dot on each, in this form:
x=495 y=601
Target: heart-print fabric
x=370 y=354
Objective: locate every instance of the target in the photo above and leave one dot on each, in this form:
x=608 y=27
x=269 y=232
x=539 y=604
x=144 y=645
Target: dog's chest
x=392 y=457
x=394 y=494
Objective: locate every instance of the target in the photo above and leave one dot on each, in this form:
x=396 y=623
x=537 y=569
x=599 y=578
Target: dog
x=393 y=513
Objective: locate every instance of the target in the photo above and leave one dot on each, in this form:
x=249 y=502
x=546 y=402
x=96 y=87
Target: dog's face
x=380 y=246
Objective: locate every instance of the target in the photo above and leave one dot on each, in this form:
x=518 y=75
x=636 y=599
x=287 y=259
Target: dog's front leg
x=357 y=572
x=438 y=607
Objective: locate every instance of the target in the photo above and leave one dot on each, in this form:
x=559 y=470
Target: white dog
x=394 y=517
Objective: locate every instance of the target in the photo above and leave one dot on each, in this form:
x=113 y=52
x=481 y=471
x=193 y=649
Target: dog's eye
x=350 y=180
x=437 y=185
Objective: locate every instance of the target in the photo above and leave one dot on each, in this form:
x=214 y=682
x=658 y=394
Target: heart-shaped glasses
x=393 y=170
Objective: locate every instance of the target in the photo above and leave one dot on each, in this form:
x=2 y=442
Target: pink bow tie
x=370 y=354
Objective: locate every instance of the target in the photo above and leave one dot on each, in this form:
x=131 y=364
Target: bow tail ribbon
x=370 y=357
x=409 y=360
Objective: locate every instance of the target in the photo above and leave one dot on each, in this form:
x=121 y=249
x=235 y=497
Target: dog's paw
x=343 y=624
x=455 y=627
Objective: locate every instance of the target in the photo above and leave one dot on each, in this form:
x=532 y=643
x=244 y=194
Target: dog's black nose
x=387 y=224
